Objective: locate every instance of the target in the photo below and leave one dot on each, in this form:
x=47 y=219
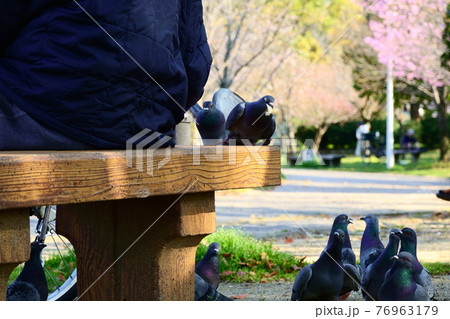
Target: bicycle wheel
x=59 y=259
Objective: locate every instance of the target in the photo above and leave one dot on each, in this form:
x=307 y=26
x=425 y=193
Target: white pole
x=390 y=159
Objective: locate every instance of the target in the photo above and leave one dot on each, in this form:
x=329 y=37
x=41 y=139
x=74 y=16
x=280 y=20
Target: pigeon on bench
x=371 y=245
x=323 y=279
x=399 y=283
x=31 y=284
x=353 y=273
x=210 y=123
x=421 y=275
x=208 y=267
x=376 y=271
x=251 y=121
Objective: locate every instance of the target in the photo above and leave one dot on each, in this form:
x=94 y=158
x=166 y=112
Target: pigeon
x=31 y=284
x=251 y=121
x=399 y=284
x=371 y=245
x=206 y=292
x=225 y=100
x=444 y=194
x=376 y=271
x=208 y=267
x=210 y=123
x=353 y=273
x=323 y=279
x=421 y=275
x=341 y=222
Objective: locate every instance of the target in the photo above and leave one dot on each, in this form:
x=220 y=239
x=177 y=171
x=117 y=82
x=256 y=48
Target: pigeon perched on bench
x=208 y=267
x=399 y=283
x=323 y=279
x=31 y=284
x=371 y=245
x=210 y=123
x=376 y=271
x=251 y=121
x=421 y=275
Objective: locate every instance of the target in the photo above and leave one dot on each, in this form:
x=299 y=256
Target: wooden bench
x=415 y=154
x=332 y=160
x=135 y=232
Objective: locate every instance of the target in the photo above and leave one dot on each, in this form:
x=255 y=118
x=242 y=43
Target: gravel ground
x=281 y=291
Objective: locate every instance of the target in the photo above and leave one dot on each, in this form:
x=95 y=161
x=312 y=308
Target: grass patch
x=246 y=259
x=58 y=270
x=427 y=165
x=438 y=268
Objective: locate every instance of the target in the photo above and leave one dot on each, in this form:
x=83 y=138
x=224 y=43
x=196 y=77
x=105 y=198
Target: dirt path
x=281 y=291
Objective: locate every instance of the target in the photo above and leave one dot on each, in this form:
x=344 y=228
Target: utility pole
x=390 y=159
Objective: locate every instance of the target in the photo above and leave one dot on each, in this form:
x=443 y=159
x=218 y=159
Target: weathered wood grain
x=15 y=243
x=163 y=233
x=42 y=178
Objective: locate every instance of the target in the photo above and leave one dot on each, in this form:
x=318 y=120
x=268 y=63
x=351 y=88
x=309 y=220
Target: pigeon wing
x=352 y=279
x=301 y=282
x=235 y=114
x=267 y=134
x=425 y=282
x=225 y=100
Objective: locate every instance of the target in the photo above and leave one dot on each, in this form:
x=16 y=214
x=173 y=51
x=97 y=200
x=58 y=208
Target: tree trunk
x=414 y=111
x=321 y=130
x=442 y=123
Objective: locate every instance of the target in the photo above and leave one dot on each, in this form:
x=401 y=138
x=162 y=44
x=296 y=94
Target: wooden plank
x=138 y=249
x=43 y=178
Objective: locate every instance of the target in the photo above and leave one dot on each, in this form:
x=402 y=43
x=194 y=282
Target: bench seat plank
x=43 y=178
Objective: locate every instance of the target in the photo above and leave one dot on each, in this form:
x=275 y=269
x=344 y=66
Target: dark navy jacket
x=62 y=69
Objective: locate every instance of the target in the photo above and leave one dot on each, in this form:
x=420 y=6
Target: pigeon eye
x=404 y=258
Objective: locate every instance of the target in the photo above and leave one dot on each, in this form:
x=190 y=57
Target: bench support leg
x=15 y=239
x=160 y=265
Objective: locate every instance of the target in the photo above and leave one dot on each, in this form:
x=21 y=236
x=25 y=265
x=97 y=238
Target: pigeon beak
x=216 y=250
x=270 y=109
x=350 y=221
x=363 y=218
x=395 y=257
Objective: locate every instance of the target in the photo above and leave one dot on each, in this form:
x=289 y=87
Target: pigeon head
x=409 y=241
x=405 y=260
x=339 y=236
x=370 y=219
x=207 y=104
x=214 y=248
x=269 y=100
x=394 y=235
x=342 y=221
x=36 y=248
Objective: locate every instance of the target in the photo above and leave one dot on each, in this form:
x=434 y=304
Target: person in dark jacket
x=93 y=74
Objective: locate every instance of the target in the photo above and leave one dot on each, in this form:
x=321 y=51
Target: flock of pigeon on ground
x=391 y=273
x=228 y=118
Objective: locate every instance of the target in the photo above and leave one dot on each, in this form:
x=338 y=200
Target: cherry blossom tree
x=409 y=34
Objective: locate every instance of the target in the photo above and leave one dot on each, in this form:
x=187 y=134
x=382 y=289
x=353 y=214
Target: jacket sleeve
x=197 y=57
x=13 y=16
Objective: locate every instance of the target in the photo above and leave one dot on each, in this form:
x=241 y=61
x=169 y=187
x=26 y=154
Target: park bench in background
x=415 y=154
x=104 y=206
x=332 y=160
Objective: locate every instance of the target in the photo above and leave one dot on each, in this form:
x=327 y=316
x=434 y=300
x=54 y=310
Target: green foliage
x=244 y=258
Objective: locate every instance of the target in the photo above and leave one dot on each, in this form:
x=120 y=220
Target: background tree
x=409 y=33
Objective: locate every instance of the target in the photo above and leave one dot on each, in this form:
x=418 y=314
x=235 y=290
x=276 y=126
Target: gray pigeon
x=31 y=284
x=399 y=284
x=371 y=245
x=421 y=275
x=206 y=292
x=323 y=279
x=251 y=121
x=208 y=267
x=376 y=271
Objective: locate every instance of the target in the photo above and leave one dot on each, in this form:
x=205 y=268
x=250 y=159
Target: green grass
x=246 y=259
x=57 y=269
x=437 y=268
x=428 y=165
